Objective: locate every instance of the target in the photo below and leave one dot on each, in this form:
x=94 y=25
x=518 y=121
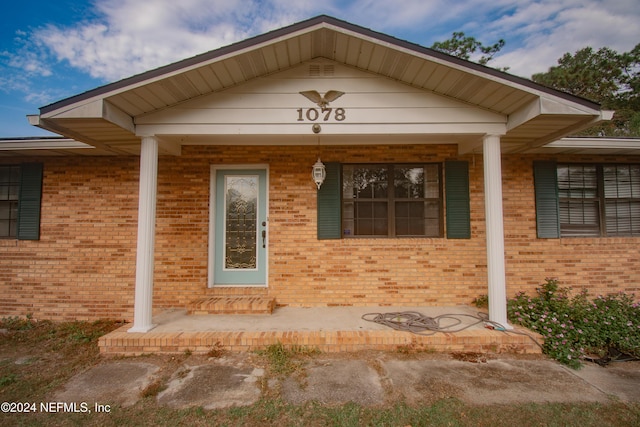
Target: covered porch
x=328 y=329
x=244 y=106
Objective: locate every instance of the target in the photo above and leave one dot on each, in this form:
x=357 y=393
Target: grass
x=48 y=354
x=286 y=360
x=273 y=412
x=38 y=356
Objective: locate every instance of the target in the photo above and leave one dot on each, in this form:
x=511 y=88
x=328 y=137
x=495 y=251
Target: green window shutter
x=545 y=177
x=457 y=197
x=29 y=202
x=330 y=204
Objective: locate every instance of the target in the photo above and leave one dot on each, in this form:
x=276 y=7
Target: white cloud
x=131 y=36
x=12 y=82
x=29 y=62
x=549 y=28
x=537 y=32
x=126 y=37
x=29 y=56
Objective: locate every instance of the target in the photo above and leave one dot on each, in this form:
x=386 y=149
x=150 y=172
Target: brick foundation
x=121 y=342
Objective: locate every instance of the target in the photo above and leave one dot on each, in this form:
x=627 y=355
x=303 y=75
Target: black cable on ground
x=419 y=324
x=613 y=355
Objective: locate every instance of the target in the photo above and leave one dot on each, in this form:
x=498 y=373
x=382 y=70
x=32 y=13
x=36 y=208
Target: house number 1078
x=313 y=114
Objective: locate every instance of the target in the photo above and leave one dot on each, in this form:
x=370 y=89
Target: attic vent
x=321 y=70
x=314 y=70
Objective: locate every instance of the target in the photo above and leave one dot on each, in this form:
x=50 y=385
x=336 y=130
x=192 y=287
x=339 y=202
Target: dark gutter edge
x=33 y=138
x=252 y=41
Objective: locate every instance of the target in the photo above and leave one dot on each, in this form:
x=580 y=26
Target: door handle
x=264 y=235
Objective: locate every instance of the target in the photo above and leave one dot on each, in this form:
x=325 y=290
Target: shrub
x=573 y=327
x=482 y=301
x=610 y=322
x=17 y=323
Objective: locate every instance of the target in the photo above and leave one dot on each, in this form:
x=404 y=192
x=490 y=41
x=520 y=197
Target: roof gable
x=367 y=104
x=108 y=116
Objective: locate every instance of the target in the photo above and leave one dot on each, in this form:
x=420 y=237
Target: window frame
x=30 y=185
x=12 y=203
x=600 y=199
x=391 y=200
x=567 y=204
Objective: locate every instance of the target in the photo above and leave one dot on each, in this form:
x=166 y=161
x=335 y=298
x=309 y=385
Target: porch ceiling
x=105 y=117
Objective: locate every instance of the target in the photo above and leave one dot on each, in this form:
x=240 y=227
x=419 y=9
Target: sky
x=51 y=50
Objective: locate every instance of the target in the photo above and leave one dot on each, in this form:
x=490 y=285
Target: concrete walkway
x=372 y=377
x=368 y=378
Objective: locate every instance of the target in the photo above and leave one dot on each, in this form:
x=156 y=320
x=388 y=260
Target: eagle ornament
x=322 y=101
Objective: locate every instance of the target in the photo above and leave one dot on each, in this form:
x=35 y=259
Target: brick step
x=232 y=304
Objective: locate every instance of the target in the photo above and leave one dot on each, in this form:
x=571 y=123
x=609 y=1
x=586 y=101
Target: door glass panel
x=241 y=220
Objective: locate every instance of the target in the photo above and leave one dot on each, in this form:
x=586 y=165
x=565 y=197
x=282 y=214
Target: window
x=20 y=195
x=587 y=200
x=396 y=200
x=579 y=200
x=622 y=199
x=9 y=191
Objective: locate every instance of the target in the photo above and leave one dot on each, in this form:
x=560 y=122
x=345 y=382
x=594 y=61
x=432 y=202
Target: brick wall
x=601 y=265
x=84 y=265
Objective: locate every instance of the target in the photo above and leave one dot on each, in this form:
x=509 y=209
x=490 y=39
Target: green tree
x=605 y=76
x=464 y=47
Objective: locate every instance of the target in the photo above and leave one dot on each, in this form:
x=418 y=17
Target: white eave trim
x=596 y=143
x=548 y=106
x=42 y=144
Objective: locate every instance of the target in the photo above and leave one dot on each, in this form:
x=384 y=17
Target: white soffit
x=104 y=116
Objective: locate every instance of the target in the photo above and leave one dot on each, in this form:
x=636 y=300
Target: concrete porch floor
x=329 y=329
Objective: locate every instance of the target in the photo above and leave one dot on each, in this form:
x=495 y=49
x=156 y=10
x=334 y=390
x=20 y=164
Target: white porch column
x=495 y=230
x=143 y=304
